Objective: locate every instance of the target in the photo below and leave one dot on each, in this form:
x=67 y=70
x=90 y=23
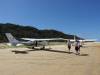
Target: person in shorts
x=77 y=47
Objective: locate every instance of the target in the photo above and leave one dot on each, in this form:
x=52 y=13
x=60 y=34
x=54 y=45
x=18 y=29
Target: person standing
x=69 y=45
x=77 y=47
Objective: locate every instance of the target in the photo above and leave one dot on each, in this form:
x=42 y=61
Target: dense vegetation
x=30 y=32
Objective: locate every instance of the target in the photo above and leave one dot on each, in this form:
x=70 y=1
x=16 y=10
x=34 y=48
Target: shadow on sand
x=83 y=54
x=50 y=50
x=19 y=52
x=58 y=51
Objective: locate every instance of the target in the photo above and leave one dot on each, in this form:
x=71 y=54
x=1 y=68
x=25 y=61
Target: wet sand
x=57 y=61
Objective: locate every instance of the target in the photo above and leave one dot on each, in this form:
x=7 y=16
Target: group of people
x=77 y=46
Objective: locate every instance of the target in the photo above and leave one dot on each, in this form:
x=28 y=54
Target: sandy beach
x=57 y=61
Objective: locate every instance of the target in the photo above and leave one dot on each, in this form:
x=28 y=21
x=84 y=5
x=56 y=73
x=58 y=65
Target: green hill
x=20 y=31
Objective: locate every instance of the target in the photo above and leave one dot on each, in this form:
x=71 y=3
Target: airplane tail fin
x=11 y=39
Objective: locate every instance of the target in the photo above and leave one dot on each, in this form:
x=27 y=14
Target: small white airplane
x=29 y=42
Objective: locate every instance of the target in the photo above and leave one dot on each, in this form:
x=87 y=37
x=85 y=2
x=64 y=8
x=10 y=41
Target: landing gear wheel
x=32 y=47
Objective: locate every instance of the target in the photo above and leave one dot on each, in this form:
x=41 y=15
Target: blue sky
x=80 y=17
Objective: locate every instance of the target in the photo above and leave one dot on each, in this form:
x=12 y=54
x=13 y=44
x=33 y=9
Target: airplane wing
x=30 y=39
